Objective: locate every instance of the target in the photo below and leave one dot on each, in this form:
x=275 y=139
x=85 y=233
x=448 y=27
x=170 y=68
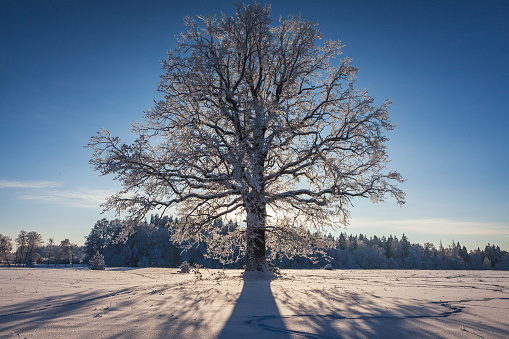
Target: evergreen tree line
x=150 y=246
x=359 y=251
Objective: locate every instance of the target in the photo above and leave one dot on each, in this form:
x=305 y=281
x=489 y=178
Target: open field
x=161 y=303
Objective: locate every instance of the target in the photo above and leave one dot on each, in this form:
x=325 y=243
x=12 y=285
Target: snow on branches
x=257 y=120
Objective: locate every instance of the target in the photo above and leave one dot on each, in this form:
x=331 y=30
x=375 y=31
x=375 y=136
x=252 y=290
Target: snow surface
x=161 y=303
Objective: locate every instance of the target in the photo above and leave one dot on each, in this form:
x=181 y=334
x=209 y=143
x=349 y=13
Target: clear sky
x=69 y=68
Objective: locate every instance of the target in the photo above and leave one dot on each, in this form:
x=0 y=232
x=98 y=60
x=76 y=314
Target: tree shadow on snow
x=328 y=313
x=145 y=311
x=29 y=316
x=255 y=313
x=264 y=309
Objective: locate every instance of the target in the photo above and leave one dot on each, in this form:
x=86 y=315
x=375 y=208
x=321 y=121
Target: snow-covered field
x=161 y=303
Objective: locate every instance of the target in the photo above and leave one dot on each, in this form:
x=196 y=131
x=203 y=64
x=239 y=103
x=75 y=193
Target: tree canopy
x=257 y=120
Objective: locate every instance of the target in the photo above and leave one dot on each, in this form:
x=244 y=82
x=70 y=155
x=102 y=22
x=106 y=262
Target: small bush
x=196 y=271
x=221 y=275
x=97 y=262
x=184 y=267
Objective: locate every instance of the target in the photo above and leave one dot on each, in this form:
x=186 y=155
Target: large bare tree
x=257 y=120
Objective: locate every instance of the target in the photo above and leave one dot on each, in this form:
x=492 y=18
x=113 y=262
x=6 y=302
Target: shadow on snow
x=178 y=310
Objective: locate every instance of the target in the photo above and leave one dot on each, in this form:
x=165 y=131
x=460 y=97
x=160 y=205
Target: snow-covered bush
x=196 y=271
x=185 y=267
x=97 y=262
x=221 y=275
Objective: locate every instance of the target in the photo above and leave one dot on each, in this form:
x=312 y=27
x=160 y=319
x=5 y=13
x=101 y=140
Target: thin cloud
x=28 y=184
x=435 y=226
x=79 y=198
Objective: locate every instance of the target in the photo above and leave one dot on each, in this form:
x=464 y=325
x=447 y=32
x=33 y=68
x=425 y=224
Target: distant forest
x=150 y=246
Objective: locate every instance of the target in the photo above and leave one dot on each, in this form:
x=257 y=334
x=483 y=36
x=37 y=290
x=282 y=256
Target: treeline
x=150 y=246
x=390 y=252
x=30 y=251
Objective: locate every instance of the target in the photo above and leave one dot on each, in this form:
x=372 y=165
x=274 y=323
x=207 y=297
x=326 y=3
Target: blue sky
x=69 y=68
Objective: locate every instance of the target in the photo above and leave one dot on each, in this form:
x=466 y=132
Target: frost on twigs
x=258 y=121
x=198 y=275
x=219 y=275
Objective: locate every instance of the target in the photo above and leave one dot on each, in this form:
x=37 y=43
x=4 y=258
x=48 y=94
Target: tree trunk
x=255 y=237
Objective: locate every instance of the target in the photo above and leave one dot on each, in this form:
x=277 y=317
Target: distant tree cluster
x=30 y=250
x=5 y=248
x=361 y=252
x=151 y=245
